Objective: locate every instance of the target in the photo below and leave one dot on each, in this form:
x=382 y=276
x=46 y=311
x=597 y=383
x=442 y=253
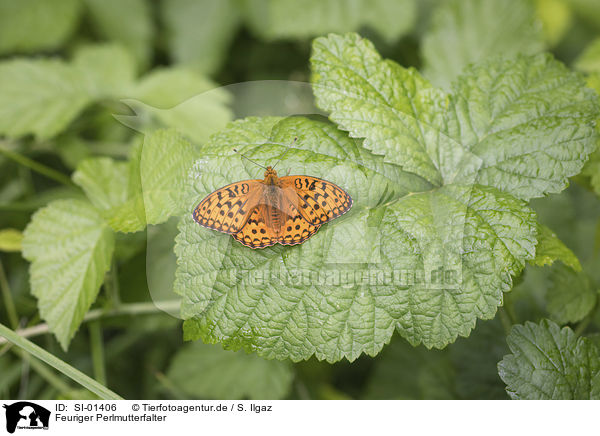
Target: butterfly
x=286 y=210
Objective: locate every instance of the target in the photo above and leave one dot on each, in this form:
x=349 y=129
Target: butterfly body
x=286 y=210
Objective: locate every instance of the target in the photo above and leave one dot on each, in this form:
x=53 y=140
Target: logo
x=26 y=415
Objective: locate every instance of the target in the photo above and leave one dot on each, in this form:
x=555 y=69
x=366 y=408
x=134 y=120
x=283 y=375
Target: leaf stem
x=124 y=309
x=37 y=167
x=9 y=303
x=74 y=374
x=97 y=349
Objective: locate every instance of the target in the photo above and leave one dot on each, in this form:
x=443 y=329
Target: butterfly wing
x=318 y=201
x=258 y=233
x=296 y=230
x=227 y=209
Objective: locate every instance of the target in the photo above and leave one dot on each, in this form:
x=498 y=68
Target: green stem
x=124 y=309
x=37 y=167
x=97 y=348
x=74 y=374
x=9 y=303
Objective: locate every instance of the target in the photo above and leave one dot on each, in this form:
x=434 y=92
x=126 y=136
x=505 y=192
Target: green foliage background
x=465 y=130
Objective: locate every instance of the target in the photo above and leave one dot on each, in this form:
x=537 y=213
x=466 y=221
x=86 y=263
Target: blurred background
x=66 y=67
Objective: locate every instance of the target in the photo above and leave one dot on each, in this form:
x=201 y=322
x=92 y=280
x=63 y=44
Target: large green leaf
x=42 y=96
x=39 y=96
x=466 y=31
x=70 y=249
x=550 y=363
x=209 y=372
x=35 y=25
x=522 y=126
x=425 y=262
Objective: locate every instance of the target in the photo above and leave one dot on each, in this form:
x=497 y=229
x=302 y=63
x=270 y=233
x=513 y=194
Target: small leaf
x=153 y=179
x=548 y=363
x=571 y=296
x=114 y=188
x=209 y=372
x=10 y=240
x=70 y=249
x=36 y=25
x=589 y=60
x=551 y=249
x=468 y=31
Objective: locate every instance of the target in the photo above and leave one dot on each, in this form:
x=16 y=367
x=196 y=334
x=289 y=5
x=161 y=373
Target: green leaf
x=548 y=363
x=426 y=262
x=10 y=240
x=114 y=188
x=109 y=69
x=200 y=31
x=467 y=31
x=209 y=372
x=50 y=94
x=70 y=249
x=550 y=249
x=556 y=18
x=272 y=19
x=572 y=295
x=35 y=25
x=185 y=100
x=589 y=60
x=102 y=180
x=129 y=23
x=153 y=178
x=523 y=126
x=165 y=165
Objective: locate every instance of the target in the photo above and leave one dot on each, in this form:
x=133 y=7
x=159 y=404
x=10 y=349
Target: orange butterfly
x=260 y=213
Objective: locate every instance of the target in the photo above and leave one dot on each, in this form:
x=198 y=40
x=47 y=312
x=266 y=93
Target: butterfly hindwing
x=256 y=233
x=318 y=201
x=227 y=209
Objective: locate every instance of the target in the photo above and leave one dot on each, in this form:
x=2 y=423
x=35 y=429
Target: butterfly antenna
x=245 y=157
x=288 y=149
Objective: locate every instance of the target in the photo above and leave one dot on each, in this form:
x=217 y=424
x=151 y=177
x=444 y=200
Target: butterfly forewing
x=317 y=200
x=227 y=209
